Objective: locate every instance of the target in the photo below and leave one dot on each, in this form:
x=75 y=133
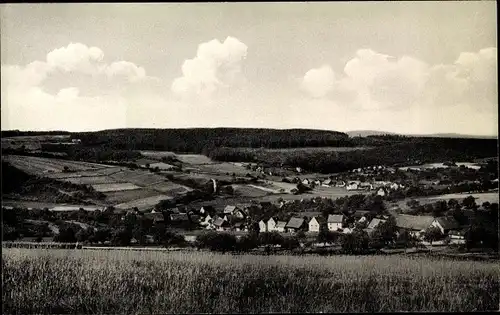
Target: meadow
x=127 y=282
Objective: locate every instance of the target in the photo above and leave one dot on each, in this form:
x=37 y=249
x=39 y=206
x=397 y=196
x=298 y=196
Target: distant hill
x=367 y=133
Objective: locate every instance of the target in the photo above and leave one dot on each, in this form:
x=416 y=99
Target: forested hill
x=198 y=139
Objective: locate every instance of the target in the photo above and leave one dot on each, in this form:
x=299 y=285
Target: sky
x=404 y=67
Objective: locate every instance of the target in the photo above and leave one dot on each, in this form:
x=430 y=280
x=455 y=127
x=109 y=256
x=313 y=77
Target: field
x=127 y=282
x=38 y=166
x=115 y=187
x=143 y=203
x=157 y=154
x=116 y=197
x=315 y=149
x=194 y=159
x=491 y=197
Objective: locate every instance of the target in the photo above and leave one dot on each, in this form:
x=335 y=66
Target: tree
x=173 y=239
x=121 y=237
x=469 y=202
x=300 y=235
x=247 y=242
x=323 y=235
x=355 y=243
x=433 y=234
x=66 y=235
x=83 y=235
x=290 y=242
x=406 y=239
x=385 y=233
x=216 y=241
x=270 y=238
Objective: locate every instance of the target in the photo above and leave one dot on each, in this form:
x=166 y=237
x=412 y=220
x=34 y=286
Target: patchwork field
x=249 y=191
x=41 y=166
x=491 y=197
x=91 y=180
x=223 y=168
x=170 y=188
x=117 y=197
x=195 y=159
x=115 y=187
x=128 y=282
x=158 y=154
x=143 y=203
x=315 y=149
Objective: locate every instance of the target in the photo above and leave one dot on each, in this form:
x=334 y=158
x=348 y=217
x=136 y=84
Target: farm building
x=295 y=224
x=262 y=226
x=207 y=220
x=382 y=192
x=234 y=210
x=373 y=224
x=353 y=185
x=334 y=221
x=365 y=186
x=327 y=183
x=340 y=184
x=446 y=224
x=157 y=217
x=280 y=226
x=179 y=218
x=271 y=224
x=414 y=224
x=315 y=223
x=221 y=225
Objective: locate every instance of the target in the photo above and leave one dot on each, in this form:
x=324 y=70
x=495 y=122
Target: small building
x=221 y=225
x=335 y=221
x=353 y=185
x=340 y=184
x=157 y=217
x=381 y=192
x=446 y=224
x=280 y=226
x=271 y=225
x=306 y=181
x=234 y=210
x=207 y=210
x=327 y=183
x=295 y=224
x=179 y=218
x=315 y=223
x=373 y=224
x=262 y=226
x=207 y=220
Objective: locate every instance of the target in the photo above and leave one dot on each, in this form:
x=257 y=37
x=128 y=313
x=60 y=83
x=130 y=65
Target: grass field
x=115 y=187
x=123 y=282
x=39 y=166
x=143 y=203
x=315 y=149
x=491 y=197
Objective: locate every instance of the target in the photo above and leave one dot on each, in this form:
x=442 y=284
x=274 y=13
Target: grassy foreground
x=118 y=282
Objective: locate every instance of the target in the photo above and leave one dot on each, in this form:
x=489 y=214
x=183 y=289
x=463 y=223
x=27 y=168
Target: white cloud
x=216 y=65
x=318 y=81
x=125 y=69
x=76 y=57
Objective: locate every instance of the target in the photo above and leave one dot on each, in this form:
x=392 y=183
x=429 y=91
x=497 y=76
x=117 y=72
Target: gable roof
x=281 y=224
x=156 y=216
x=413 y=222
x=319 y=219
x=229 y=209
x=220 y=222
x=448 y=223
x=335 y=218
x=374 y=223
x=179 y=217
x=295 y=223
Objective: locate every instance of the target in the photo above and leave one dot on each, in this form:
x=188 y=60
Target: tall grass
x=112 y=282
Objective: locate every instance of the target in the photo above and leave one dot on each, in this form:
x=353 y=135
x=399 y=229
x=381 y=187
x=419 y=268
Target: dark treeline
x=18 y=133
x=195 y=140
x=404 y=151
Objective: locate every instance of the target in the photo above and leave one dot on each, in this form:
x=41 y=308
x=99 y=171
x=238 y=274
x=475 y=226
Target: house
x=446 y=224
x=306 y=181
x=298 y=169
x=317 y=182
x=315 y=223
x=238 y=226
x=207 y=220
x=373 y=224
x=157 y=217
x=395 y=186
x=366 y=186
x=340 y=184
x=280 y=226
x=295 y=224
x=262 y=226
x=221 y=225
x=271 y=224
x=179 y=218
x=381 y=192
x=234 y=210
x=207 y=209
x=327 y=183
x=175 y=210
x=415 y=224
x=353 y=185
x=334 y=221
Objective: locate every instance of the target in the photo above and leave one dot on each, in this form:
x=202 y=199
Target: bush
x=216 y=241
x=355 y=243
x=173 y=239
x=66 y=235
x=270 y=238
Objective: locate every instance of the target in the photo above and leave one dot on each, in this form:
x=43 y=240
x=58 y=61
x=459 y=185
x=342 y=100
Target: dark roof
x=281 y=224
x=229 y=209
x=448 y=223
x=335 y=218
x=179 y=217
x=220 y=222
x=295 y=223
x=374 y=223
x=157 y=216
x=413 y=222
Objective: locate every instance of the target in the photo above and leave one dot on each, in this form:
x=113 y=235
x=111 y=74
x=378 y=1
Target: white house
x=327 y=183
x=305 y=181
x=314 y=224
x=381 y=192
x=207 y=220
x=445 y=224
x=352 y=186
x=262 y=226
x=271 y=225
x=340 y=184
x=334 y=221
x=395 y=186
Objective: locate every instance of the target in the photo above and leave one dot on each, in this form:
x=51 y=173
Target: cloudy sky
x=405 y=67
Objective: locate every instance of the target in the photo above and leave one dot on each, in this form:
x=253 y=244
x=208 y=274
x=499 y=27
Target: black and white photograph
x=249 y=157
